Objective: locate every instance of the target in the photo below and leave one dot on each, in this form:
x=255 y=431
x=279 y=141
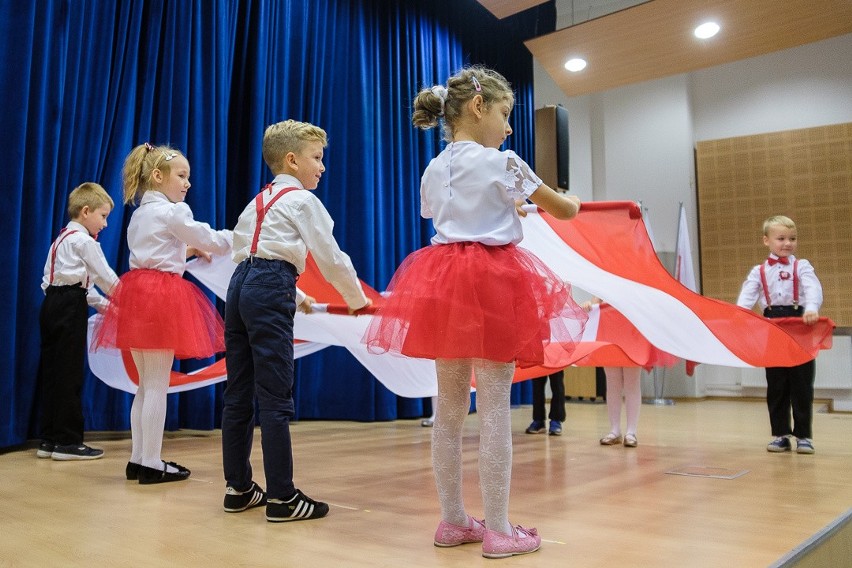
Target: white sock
x=614 y=390
x=632 y=398
x=493 y=390
x=451 y=409
x=154 y=384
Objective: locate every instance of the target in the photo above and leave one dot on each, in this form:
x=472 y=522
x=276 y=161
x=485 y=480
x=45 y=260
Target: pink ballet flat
x=449 y=534
x=521 y=541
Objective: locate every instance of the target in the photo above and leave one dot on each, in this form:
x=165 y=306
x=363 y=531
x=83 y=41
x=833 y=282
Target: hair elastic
x=442 y=93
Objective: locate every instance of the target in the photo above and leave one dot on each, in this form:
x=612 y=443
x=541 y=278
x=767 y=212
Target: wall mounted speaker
x=551 y=146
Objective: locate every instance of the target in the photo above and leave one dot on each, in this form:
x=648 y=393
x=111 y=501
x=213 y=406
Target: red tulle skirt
x=156 y=310
x=469 y=300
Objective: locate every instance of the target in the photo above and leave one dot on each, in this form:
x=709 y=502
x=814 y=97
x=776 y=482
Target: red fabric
x=156 y=310
x=618 y=344
x=468 y=300
x=617 y=242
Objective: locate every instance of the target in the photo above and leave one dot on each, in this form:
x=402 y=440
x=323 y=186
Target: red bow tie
x=779 y=260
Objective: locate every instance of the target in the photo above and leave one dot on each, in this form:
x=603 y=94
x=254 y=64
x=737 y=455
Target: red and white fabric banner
x=605 y=250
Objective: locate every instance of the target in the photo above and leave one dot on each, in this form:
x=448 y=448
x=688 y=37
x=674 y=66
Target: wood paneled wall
x=805 y=174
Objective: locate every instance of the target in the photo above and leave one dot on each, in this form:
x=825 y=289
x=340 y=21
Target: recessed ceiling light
x=575 y=64
x=706 y=30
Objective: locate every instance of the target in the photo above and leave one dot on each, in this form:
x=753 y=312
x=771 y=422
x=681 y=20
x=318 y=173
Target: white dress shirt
x=779 y=280
x=79 y=260
x=296 y=223
x=159 y=232
x=469 y=192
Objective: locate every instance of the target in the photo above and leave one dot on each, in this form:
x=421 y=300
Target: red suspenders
x=795 y=284
x=262 y=209
x=62 y=235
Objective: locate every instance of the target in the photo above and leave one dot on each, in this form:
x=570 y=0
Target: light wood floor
x=594 y=506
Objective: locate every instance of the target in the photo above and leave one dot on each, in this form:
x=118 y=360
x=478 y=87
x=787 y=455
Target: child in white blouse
x=786 y=286
x=473 y=301
x=74 y=264
x=155 y=313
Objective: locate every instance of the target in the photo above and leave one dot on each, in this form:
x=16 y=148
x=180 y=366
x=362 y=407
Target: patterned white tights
x=493 y=387
x=148 y=413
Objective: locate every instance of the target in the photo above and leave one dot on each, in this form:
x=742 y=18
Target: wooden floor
x=594 y=506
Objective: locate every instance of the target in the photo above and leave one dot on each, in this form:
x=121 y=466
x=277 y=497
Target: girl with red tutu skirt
x=475 y=302
x=154 y=313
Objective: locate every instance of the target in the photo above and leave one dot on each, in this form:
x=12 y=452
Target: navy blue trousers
x=259 y=311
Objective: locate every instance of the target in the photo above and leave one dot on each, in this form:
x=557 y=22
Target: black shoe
x=236 y=501
x=45 y=449
x=132 y=469
x=73 y=452
x=299 y=507
x=149 y=475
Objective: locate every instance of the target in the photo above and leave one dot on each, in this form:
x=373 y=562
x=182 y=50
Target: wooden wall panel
x=805 y=174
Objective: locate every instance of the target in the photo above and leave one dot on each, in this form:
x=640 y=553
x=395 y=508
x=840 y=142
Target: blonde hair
x=287 y=136
x=88 y=194
x=777 y=220
x=433 y=104
x=140 y=164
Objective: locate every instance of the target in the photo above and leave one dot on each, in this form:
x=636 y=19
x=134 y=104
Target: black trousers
x=790 y=389
x=557 y=401
x=63 y=321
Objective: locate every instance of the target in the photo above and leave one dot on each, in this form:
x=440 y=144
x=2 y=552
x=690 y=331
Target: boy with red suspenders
x=75 y=262
x=786 y=286
x=272 y=238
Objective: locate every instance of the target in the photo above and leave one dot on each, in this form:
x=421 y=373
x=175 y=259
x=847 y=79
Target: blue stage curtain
x=86 y=80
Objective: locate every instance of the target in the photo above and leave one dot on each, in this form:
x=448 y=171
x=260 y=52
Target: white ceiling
x=629 y=41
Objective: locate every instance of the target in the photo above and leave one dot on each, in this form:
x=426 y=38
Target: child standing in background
x=155 y=313
x=557 y=404
x=75 y=262
x=473 y=301
x=786 y=286
x=272 y=239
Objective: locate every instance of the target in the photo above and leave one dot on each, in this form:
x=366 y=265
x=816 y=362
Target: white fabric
x=148 y=413
x=779 y=279
x=79 y=260
x=469 y=192
x=159 y=232
x=623 y=382
x=295 y=224
x=684 y=268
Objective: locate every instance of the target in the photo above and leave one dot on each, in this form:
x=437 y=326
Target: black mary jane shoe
x=149 y=475
x=132 y=471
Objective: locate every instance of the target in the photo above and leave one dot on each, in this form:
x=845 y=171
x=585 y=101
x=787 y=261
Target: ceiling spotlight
x=706 y=30
x=575 y=64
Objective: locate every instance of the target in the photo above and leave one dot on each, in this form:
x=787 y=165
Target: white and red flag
x=605 y=250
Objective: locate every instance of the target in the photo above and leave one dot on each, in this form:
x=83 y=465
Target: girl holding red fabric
x=474 y=301
x=154 y=312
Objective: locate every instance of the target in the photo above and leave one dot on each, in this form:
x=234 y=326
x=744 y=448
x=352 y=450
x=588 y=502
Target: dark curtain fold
x=86 y=80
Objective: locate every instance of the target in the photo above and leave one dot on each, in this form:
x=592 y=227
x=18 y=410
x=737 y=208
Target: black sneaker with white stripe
x=236 y=501
x=299 y=507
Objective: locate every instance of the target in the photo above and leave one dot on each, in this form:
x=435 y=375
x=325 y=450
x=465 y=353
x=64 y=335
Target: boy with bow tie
x=786 y=286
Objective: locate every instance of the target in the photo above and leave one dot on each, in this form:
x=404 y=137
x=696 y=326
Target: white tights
x=493 y=387
x=623 y=381
x=148 y=413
